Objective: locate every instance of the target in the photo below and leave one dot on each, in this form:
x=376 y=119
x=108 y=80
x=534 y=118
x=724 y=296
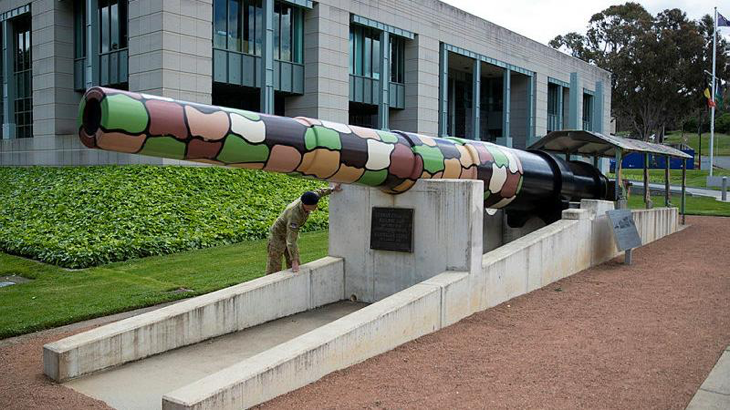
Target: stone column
x=574 y=103
x=55 y=102
x=476 y=96
x=506 y=138
x=170 y=48
x=598 y=108
x=267 y=59
x=443 y=91
x=384 y=105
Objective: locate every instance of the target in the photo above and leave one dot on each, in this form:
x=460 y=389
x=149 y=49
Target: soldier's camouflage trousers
x=276 y=248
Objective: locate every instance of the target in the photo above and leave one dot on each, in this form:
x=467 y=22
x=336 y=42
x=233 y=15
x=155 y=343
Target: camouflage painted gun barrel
x=392 y=161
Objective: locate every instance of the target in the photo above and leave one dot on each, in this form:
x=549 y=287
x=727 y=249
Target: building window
x=22 y=71
x=552 y=111
x=112 y=25
x=287 y=33
x=397 y=59
x=587 y=112
x=238 y=26
x=364 y=52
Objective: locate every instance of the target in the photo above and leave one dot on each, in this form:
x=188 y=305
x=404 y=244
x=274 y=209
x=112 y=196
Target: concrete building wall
x=170 y=54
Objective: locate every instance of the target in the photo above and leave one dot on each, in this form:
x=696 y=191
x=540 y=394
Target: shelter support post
x=618 y=194
x=684 y=193
x=667 y=186
x=647 y=192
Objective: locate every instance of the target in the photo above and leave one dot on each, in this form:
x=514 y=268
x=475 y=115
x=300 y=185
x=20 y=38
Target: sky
x=542 y=20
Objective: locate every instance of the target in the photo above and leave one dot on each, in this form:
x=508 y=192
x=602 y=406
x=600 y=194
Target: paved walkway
x=715 y=391
x=722 y=162
x=140 y=385
x=638 y=187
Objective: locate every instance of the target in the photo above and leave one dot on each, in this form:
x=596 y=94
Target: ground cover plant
x=58 y=296
x=78 y=217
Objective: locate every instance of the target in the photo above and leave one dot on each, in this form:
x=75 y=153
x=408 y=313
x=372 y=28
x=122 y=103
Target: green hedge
x=78 y=217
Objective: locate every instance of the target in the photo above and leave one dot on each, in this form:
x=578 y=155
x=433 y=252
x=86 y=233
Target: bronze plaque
x=391 y=229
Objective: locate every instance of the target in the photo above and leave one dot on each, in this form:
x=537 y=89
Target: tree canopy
x=657 y=62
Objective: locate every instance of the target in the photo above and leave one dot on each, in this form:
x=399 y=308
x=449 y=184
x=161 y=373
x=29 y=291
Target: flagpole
x=712 y=108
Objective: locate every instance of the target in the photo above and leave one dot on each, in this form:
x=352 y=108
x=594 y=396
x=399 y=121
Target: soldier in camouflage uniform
x=283 y=234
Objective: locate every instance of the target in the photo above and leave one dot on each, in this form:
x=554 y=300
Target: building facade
x=414 y=65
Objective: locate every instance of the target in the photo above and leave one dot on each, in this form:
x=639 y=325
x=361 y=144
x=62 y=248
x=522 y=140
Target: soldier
x=283 y=234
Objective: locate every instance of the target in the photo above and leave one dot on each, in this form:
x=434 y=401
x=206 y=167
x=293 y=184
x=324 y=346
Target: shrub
x=78 y=217
x=722 y=123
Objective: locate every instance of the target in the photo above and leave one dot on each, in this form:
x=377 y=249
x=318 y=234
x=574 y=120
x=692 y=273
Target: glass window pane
x=367 y=56
x=123 y=23
x=104 y=27
x=401 y=61
x=234 y=30
x=276 y=26
x=259 y=27
x=114 y=26
x=252 y=27
x=79 y=29
x=286 y=33
x=352 y=52
x=297 y=45
x=358 y=51
x=219 y=24
x=376 y=59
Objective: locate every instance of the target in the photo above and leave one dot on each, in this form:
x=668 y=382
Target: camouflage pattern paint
x=144 y=124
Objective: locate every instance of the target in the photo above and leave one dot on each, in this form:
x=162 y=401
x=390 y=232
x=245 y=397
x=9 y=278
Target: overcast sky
x=542 y=20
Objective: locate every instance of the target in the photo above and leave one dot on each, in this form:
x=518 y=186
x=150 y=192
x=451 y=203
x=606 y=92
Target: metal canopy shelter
x=596 y=145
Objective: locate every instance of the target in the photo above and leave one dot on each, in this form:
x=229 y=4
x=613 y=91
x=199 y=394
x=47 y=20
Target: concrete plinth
x=447 y=232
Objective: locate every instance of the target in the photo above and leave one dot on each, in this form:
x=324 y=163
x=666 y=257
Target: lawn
x=722 y=142
x=695 y=205
x=695 y=177
x=58 y=296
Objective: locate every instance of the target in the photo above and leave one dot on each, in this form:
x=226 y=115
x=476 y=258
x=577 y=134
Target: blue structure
x=636 y=161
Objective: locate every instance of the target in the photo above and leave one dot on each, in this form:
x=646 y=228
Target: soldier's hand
x=295 y=266
x=337 y=187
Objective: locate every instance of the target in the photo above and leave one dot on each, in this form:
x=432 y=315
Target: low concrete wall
x=375 y=329
x=535 y=260
x=656 y=223
x=194 y=320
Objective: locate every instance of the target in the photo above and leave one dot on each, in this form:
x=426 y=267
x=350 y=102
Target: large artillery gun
x=523 y=183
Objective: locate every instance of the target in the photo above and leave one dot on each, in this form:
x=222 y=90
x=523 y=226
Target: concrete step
x=141 y=384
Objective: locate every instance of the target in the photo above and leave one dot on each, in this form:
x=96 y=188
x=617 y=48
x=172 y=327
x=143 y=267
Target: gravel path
x=644 y=336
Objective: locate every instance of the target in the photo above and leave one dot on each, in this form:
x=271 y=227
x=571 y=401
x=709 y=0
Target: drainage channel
x=141 y=384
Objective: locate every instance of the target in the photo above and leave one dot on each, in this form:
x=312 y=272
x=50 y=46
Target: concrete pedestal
x=447 y=235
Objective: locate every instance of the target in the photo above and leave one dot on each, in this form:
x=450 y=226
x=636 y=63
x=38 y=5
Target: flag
x=722 y=21
x=708 y=95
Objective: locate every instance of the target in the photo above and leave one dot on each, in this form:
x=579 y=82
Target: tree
x=657 y=62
